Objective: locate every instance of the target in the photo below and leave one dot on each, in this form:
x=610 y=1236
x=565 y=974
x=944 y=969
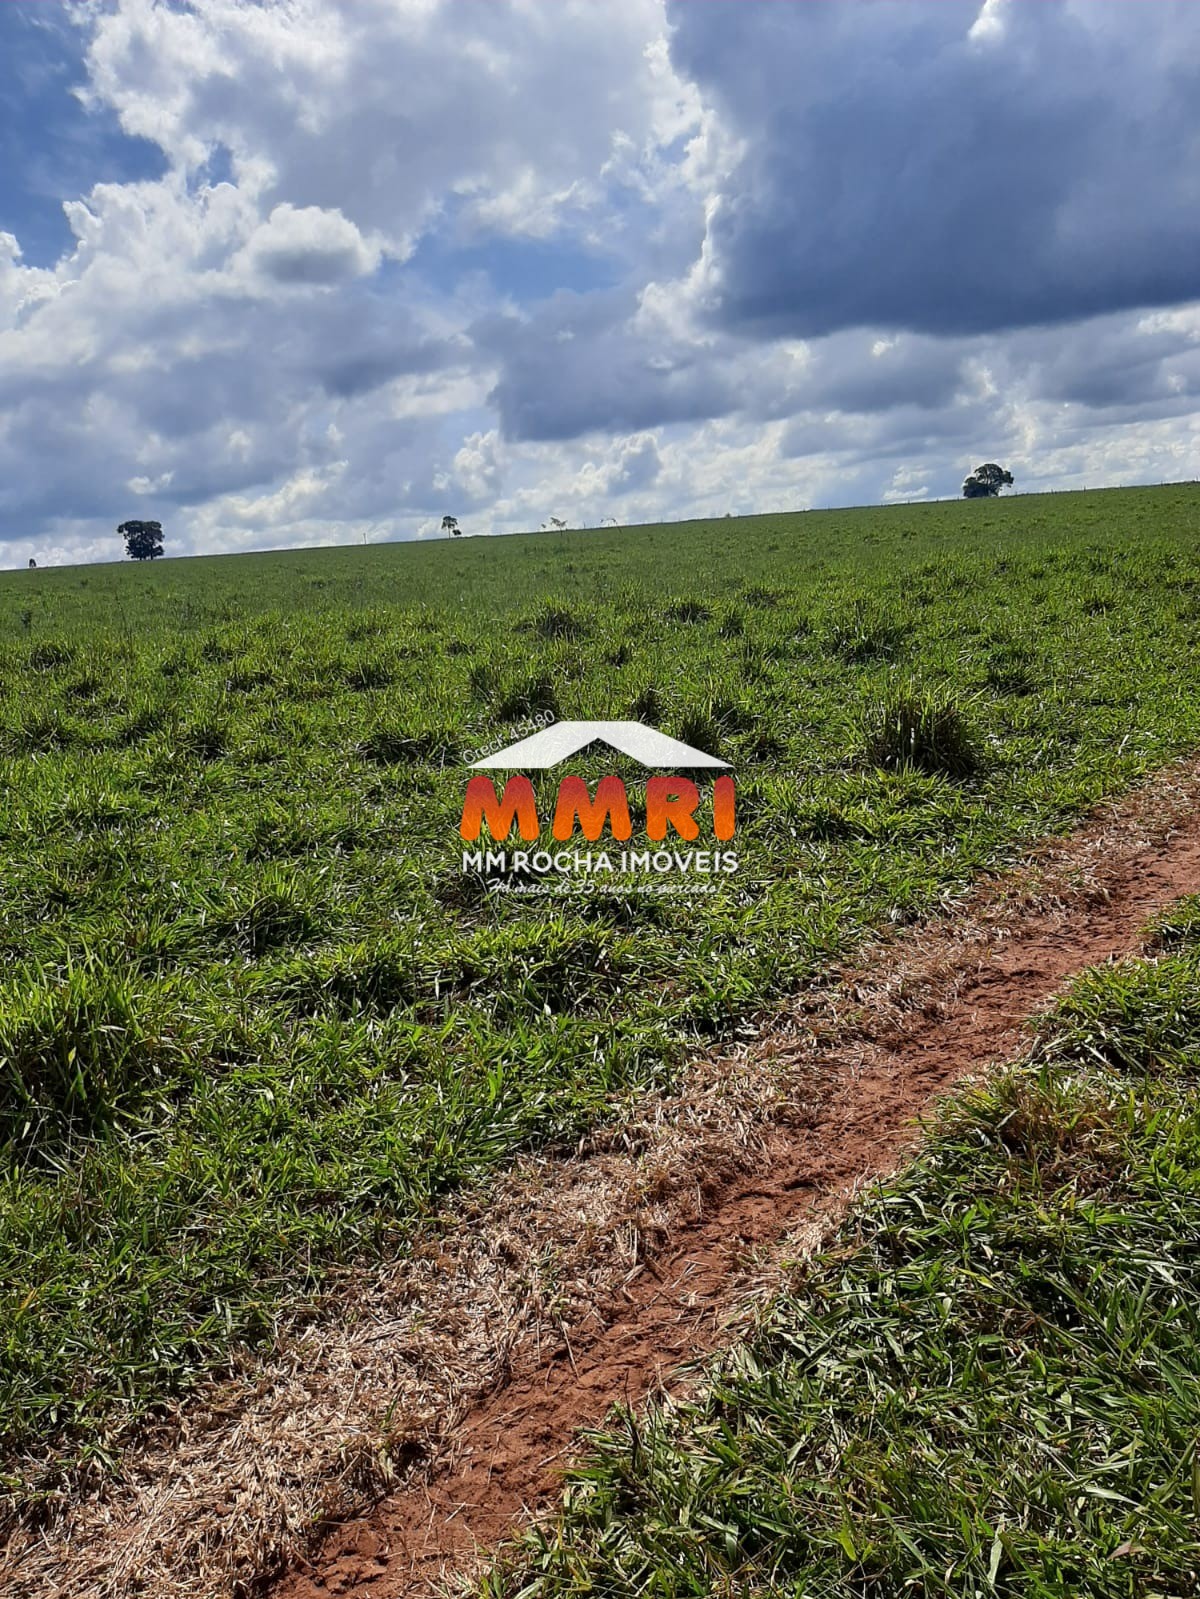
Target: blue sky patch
x=525 y=270
x=54 y=149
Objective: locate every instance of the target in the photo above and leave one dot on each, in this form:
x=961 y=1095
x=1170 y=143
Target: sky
x=280 y=273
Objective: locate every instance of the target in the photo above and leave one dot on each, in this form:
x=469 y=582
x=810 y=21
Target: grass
x=77 y=1048
x=926 y=732
x=254 y=1018
x=988 y=1383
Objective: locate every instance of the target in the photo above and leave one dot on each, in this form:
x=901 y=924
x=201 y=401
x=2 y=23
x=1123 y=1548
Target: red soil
x=508 y=1457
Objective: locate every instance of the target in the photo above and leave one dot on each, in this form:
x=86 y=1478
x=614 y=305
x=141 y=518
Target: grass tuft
x=76 y=1050
x=555 y=622
x=1178 y=927
x=528 y=697
x=864 y=632
x=391 y=746
x=688 y=610
x=923 y=732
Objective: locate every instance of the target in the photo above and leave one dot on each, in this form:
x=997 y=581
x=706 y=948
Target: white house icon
x=561 y=740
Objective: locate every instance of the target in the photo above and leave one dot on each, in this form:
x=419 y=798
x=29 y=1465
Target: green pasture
x=254 y=1020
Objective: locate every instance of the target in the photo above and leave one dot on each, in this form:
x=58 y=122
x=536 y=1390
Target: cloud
x=582 y=362
x=478 y=466
x=637 y=466
x=948 y=169
x=308 y=245
x=385 y=109
x=638 y=261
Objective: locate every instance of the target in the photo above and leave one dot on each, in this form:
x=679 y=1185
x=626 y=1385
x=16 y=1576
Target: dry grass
x=370 y=1390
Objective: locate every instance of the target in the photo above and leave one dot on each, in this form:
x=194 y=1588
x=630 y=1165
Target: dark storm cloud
x=857 y=372
x=1118 y=365
x=366 y=344
x=580 y=363
x=907 y=432
x=902 y=170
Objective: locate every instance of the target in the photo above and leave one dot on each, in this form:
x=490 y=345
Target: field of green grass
x=989 y=1381
x=253 y=1019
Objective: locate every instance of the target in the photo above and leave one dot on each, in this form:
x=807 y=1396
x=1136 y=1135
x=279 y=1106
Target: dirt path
x=877 y=1078
x=445 y=1388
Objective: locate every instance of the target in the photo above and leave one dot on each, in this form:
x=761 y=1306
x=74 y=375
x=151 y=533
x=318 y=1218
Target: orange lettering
x=518 y=805
x=723 y=807
x=671 y=800
x=610 y=805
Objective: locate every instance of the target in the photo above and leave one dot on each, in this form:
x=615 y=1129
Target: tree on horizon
x=143 y=540
x=986 y=481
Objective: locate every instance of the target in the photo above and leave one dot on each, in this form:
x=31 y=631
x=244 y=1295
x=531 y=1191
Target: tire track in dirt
x=914 y=1037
